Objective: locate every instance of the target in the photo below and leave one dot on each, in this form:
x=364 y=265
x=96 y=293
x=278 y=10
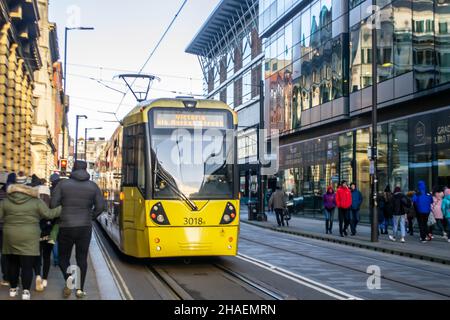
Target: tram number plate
x=194 y=221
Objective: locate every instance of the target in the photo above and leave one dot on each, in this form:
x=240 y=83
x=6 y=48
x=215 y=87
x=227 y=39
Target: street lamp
x=85 y=140
x=65 y=50
x=76 y=135
x=65 y=78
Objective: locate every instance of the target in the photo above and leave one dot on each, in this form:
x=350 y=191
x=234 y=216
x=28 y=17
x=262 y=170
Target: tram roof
x=227 y=11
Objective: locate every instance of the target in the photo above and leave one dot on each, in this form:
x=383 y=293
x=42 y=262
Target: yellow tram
x=169 y=175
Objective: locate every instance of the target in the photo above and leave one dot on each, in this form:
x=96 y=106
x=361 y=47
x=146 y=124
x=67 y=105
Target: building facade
x=19 y=59
x=318 y=88
x=46 y=137
x=230 y=53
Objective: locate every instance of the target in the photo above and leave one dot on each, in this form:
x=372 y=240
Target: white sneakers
x=26 y=295
x=402 y=240
x=39 y=285
x=44 y=283
x=13 y=292
x=392 y=238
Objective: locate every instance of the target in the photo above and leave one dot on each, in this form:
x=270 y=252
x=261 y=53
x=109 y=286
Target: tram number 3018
x=194 y=221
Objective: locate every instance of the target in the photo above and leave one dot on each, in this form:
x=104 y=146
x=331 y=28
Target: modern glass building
x=230 y=53
x=318 y=89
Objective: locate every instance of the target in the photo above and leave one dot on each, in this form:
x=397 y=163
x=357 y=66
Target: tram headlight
x=158 y=215
x=229 y=214
x=160 y=218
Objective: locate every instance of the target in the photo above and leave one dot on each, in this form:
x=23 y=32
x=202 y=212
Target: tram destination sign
x=181 y=119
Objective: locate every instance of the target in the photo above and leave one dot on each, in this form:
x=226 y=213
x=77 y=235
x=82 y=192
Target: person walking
x=82 y=201
x=277 y=202
x=436 y=210
x=42 y=264
x=446 y=209
x=411 y=214
x=22 y=211
x=401 y=204
x=55 y=178
x=344 y=203
x=422 y=203
x=388 y=208
x=11 y=179
x=357 y=200
x=329 y=203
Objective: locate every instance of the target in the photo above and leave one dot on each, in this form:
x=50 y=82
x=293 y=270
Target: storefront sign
x=442 y=134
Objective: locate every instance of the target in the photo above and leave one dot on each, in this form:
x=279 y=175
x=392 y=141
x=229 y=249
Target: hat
x=21 y=180
x=79 y=165
x=54 y=177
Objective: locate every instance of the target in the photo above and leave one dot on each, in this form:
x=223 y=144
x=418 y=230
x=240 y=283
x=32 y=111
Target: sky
x=125 y=34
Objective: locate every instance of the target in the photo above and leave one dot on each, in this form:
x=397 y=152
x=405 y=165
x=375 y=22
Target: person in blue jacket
x=422 y=201
x=357 y=200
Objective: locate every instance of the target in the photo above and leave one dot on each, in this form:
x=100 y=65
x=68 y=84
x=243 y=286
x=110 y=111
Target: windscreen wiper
x=175 y=189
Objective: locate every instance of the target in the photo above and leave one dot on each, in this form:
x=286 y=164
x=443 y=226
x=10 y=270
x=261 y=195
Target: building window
x=423 y=45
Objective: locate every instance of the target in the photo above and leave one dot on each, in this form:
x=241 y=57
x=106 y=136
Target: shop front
x=409 y=150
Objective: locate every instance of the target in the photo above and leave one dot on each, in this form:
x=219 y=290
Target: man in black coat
x=82 y=202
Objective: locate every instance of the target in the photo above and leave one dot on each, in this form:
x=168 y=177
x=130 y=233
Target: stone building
x=19 y=59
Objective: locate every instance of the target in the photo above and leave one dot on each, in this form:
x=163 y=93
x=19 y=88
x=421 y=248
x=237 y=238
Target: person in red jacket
x=343 y=202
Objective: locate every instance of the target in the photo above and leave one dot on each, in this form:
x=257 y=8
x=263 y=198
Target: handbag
x=431 y=220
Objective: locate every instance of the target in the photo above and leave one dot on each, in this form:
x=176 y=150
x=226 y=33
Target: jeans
x=280 y=217
x=23 y=266
x=440 y=225
x=354 y=219
x=329 y=217
x=81 y=238
x=344 y=220
x=46 y=252
x=401 y=220
x=55 y=254
x=422 y=218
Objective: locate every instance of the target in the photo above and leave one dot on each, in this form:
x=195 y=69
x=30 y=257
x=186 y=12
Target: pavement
x=437 y=250
x=98 y=275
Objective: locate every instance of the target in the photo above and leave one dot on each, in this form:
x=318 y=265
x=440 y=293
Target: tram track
x=336 y=264
x=164 y=276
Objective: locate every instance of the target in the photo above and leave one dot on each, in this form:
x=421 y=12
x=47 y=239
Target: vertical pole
x=261 y=180
x=85 y=143
x=65 y=59
x=76 y=139
x=374 y=147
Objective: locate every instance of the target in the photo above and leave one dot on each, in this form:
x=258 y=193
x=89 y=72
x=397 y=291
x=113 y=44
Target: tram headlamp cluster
x=229 y=214
x=158 y=215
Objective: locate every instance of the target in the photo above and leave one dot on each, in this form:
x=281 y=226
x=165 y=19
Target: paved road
x=345 y=267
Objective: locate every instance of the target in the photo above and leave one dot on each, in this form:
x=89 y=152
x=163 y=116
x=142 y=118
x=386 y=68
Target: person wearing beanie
x=82 y=202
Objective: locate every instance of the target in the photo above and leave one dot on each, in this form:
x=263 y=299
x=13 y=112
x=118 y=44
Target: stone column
x=4 y=52
x=17 y=113
x=11 y=164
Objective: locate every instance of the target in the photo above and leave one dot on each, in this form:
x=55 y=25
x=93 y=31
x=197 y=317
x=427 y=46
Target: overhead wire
x=153 y=51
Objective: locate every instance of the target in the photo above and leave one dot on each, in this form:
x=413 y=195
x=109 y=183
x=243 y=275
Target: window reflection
x=442 y=37
x=423 y=44
x=402 y=14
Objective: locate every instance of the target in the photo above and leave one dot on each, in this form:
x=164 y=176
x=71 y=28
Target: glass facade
x=303 y=66
x=312 y=59
x=413 y=149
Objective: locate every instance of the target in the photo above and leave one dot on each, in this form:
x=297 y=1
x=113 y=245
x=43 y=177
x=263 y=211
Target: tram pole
x=261 y=179
x=374 y=146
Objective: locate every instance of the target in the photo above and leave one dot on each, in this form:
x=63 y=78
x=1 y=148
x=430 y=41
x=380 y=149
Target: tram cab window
x=134 y=169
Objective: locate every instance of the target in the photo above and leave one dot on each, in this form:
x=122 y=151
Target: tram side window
x=134 y=157
x=129 y=157
x=140 y=157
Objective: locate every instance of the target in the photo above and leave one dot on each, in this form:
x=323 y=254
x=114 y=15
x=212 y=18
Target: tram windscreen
x=192 y=154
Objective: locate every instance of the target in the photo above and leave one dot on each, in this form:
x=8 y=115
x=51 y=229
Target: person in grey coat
x=82 y=202
x=277 y=202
